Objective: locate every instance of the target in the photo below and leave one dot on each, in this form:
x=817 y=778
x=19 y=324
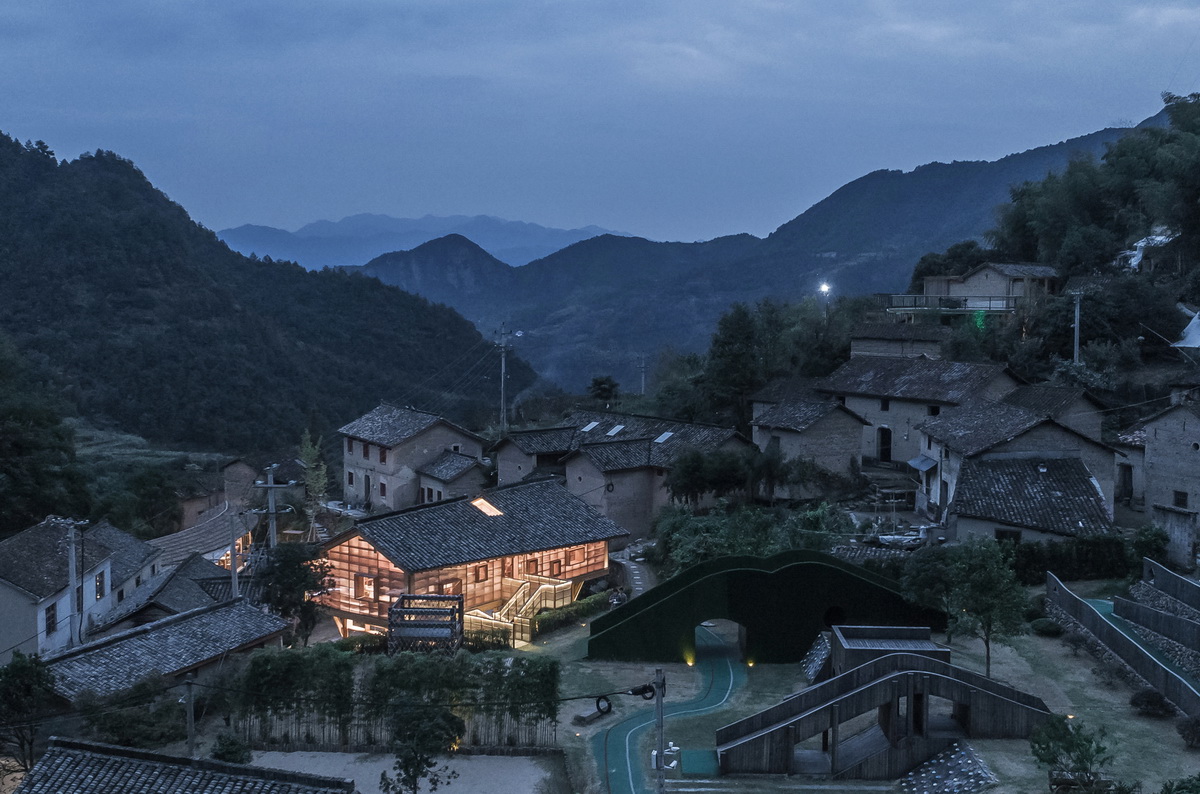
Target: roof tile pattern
x=535 y=516
x=1057 y=495
x=449 y=466
x=130 y=555
x=75 y=767
x=35 y=560
x=799 y=416
x=389 y=425
x=1043 y=400
x=971 y=429
x=919 y=379
x=168 y=646
x=211 y=536
x=1020 y=269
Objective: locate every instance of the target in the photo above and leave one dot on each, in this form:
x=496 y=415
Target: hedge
x=553 y=619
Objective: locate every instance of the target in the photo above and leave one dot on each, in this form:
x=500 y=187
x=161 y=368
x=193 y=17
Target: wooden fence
x=1170 y=583
x=1172 y=687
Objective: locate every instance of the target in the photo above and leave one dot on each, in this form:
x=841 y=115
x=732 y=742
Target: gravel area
x=476 y=773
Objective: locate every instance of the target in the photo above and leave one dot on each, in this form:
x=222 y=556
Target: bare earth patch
x=476 y=773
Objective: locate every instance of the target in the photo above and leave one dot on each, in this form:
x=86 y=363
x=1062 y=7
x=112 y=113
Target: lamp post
x=824 y=289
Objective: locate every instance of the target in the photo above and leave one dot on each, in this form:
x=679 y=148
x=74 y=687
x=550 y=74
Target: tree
x=26 y=693
x=292 y=574
x=929 y=579
x=731 y=373
x=1183 y=785
x=1066 y=745
x=316 y=477
x=604 y=388
x=420 y=734
x=987 y=599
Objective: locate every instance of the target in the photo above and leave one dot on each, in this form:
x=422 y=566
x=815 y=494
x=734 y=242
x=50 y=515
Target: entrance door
x=885 y=445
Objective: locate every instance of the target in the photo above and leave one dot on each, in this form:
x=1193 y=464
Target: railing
x=953 y=303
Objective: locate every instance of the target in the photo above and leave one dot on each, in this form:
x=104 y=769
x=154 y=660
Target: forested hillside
x=144 y=321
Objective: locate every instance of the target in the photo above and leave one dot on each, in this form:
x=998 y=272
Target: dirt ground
x=493 y=774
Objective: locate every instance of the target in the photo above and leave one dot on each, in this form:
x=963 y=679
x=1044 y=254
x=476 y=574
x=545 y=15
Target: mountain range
x=358 y=238
x=604 y=305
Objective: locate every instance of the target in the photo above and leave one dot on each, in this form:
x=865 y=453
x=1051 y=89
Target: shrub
x=1151 y=703
x=363 y=643
x=229 y=747
x=1036 y=608
x=480 y=640
x=1045 y=627
x=1077 y=642
x=553 y=619
x=1183 y=785
x=1189 y=730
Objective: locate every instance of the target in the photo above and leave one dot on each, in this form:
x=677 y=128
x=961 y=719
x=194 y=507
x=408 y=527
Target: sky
x=670 y=119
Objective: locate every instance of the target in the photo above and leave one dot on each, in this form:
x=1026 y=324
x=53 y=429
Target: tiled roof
x=174 y=590
x=980 y=425
x=449 y=466
x=389 y=425
x=796 y=388
x=1044 y=400
x=535 y=516
x=130 y=555
x=1133 y=437
x=906 y=332
x=169 y=646
x=1057 y=495
x=70 y=766
x=35 y=560
x=544 y=441
x=1019 y=269
x=208 y=537
x=799 y=416
x=624 y=455
x=609 y=427
x=918 y=379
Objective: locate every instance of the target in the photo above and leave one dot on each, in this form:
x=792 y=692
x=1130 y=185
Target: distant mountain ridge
x=601 y=305
x=359 y=238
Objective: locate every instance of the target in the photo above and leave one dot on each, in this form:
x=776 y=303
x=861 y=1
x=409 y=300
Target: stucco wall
x=966 y=527
x=512 y=465
x=399 y=472
x=1172 y=459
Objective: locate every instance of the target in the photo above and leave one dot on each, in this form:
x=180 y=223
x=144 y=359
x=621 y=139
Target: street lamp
x=824 y=289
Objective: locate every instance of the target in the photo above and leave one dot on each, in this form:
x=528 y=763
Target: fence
x=1181 y=630
x=1170 y=583
x=1172 y=687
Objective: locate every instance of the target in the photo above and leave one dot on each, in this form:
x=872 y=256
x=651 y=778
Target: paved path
x=1105 y=608
x=625 y=771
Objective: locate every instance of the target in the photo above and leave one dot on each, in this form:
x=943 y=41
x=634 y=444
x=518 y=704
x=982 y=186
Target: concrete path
x=1105 y=608
x=624 y=769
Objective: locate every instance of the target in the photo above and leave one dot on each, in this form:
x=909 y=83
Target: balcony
x=953 y=304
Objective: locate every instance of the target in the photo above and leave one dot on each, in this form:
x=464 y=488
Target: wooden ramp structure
x=904 y=690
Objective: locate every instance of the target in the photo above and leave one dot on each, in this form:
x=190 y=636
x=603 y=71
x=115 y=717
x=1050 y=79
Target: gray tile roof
x=1019 y=269
x=795 y=388
x=1133 y=437
x=1044 y=400
x=544 y=441
x=906 y=332
x=174 y=590
x=625 y=455
x=799 y=416
x=972 y=428
x=536 y=516
x=571 y=436
x=36 y=559
x=130 y=555
x=169 y=646
x=917 y=379
x=70 y=766
x=389 y=425
x=208 y=537
x=1057 y=495
x=449 y=466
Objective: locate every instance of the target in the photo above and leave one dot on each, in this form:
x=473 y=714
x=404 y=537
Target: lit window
x=556 y=567
x=364 y=587
x=481 y=573
x=486 y=507
x=573 y=555
x=450 y=587
x=531 y=565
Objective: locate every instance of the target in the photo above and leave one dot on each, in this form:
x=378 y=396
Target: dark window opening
x=1181 y=499
x=1010 y=535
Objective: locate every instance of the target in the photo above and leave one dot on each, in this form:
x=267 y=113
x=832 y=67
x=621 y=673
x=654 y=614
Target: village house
x=385 y=450
x=1072 y=407
x=1131 y=469
x=824 y=433
x=194 y=583
x=894 y=395
x=60 y=577
x=899 y=340
x=987 y=430
x=617 y=463
x=994 y=288
x=72 y=766
x=499 y=550
x=1172 y=488
x=1027 y=500
x=198 y=641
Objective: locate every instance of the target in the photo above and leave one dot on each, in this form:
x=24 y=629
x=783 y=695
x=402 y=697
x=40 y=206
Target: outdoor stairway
x=516 y=614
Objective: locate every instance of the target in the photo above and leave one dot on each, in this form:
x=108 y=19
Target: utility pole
x=1078 y=296
x=660 y=689
x=503 y=378
x=191 y=715
x=271 y=487
x=72 y=576
x=642 y=367
x=233 y=552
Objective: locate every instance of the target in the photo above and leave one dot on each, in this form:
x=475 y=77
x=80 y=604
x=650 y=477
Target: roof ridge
x=145 y=628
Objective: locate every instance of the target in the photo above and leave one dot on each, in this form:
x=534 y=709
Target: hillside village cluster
x=958 y=450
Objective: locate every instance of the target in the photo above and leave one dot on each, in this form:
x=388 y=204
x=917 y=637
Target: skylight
x=615 y=430
x=588 y=426
x=486 y=507
x=663 y=437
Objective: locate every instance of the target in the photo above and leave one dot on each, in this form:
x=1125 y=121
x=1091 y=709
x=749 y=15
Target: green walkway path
x=1105 y=608
x=623 y=770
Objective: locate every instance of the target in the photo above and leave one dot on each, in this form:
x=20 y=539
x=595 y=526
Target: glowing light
x=750 y=663
x=824 y=288
x=486 y=507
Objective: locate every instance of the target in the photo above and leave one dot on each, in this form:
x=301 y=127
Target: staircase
x=532 y=595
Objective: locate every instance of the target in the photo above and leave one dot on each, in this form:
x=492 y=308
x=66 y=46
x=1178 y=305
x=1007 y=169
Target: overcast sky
x=672 y=119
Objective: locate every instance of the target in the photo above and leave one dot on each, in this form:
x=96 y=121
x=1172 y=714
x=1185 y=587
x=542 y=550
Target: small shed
x=851 y=646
